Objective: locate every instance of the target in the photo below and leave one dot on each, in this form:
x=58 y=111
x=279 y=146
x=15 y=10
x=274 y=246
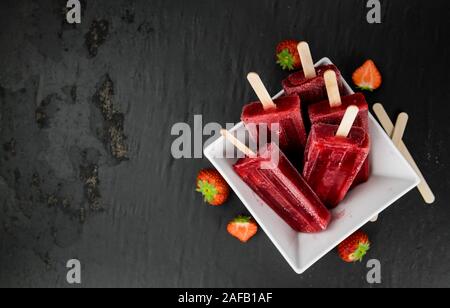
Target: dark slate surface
x=86 y=111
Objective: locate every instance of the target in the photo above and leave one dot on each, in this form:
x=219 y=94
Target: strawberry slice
x=367 y=77
x=243 y=228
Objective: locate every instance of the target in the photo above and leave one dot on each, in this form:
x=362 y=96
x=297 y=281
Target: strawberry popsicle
x=284 y=112
x=309 y=83
x=323 y=113
x=287 y=114
x=332 y=111
x=282 y=187
x=333 y=159
x=310 y=90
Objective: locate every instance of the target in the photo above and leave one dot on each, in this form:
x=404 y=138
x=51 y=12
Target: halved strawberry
x=212 y=186
x=367 y=77
x=287 y=55
x=355 y=247
x=243 y=228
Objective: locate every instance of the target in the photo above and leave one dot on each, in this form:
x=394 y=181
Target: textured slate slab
x=85 y=119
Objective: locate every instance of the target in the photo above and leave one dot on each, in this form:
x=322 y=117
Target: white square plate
x=391 y=178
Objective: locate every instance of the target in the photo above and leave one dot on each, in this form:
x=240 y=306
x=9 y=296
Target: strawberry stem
x=361 y=251
x=208 y=190
x=285 y=60
x=242 y=219
x=365 y=88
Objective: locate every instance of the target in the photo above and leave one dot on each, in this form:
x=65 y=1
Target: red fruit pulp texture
x=322 y=113
x=310 y=90
x=288 y=115
x=282 y=187
x=332 y=163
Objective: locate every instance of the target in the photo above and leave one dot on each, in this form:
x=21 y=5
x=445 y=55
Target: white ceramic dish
x=391 y=178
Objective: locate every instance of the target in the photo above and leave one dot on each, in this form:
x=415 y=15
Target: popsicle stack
x=321 y=147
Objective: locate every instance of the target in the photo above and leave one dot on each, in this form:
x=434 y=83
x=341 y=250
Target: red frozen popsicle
x=332 y=111
x=322 y=112
x=285 y=112
x=309 y=84
x=275 y=180
x=334 y=156
x=310 y=90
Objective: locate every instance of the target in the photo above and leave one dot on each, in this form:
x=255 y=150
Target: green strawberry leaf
x=208 y=190
x=360 y=252
x=242 y=219
x=365 y=88
x=285 y=60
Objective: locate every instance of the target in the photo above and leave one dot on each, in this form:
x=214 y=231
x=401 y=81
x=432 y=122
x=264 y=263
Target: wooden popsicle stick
x=306 y=59
x=242 y=147
x=388 y=126
x=331 y=84
x=397 y=136
x=261 y=91
x=399 y=129
x=347 y=121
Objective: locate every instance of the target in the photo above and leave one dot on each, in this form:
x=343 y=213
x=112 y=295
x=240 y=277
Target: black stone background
x=132 y=216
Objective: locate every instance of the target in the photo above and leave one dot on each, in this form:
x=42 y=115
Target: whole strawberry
x=287 y=55
x=355 y=247
x=243 y=228
x=212 y=186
